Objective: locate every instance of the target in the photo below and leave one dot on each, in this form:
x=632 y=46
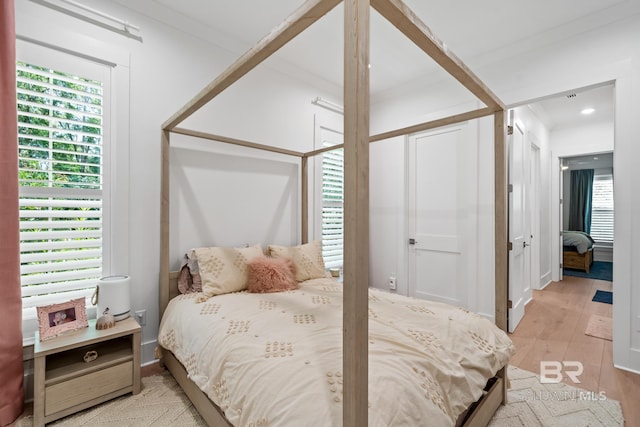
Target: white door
x=440 y=175
x=519 y=214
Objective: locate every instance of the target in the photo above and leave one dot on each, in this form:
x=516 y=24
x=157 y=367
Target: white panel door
x=519 y=259
x=440 y=168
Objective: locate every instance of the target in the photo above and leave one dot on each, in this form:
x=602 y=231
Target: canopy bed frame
x=356 y=178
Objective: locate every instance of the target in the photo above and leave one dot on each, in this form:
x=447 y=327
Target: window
x=332 y=199
x=602 y=206
x=61 y=174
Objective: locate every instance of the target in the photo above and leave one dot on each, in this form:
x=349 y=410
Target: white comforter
x=276 y=359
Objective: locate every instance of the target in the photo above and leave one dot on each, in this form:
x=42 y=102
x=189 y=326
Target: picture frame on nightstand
x=55 y=319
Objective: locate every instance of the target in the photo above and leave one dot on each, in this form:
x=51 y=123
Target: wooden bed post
x=501 y=224
x=304 y=195
x=356 y=213
x=164 y=222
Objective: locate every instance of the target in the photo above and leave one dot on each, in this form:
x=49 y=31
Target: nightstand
x=64 y=383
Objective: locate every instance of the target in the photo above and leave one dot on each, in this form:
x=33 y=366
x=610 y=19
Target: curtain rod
x=321 y=102
x=127 y=26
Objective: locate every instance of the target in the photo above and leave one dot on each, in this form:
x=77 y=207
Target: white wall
x=609 y=53
x=169 y=66
x=389 y=244
x=242 y=200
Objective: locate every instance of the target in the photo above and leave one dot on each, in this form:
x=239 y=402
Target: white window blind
x=60 y=156
x=602 y=208
x=332 y=201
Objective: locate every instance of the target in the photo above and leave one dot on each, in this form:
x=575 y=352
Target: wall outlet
x=392 y=283
x=141 y=317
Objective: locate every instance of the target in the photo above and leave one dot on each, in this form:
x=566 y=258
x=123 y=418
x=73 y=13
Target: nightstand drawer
x=64 y=395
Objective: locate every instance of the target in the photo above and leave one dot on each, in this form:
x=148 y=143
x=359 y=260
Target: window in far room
x=602 y=206
x=332 y=198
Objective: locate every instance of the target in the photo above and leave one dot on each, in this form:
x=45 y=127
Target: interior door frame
x=520 y=242
x=535 y=224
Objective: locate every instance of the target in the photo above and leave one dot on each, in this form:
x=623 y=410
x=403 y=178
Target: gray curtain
x=580 y=198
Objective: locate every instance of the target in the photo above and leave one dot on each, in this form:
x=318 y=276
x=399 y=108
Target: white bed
x=276 y=359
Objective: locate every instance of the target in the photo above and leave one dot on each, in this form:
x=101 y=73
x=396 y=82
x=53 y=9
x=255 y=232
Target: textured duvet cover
x=276 y=359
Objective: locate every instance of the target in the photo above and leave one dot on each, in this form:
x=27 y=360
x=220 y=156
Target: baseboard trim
x=148 y=350
x=488 y=316
x=545 y=280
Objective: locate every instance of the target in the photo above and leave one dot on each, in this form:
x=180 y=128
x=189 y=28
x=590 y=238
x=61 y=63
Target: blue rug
x=603 y=296
x=599 y=270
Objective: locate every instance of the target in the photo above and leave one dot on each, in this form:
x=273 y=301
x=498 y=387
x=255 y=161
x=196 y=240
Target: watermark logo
x=551 y=371
x=566 y=395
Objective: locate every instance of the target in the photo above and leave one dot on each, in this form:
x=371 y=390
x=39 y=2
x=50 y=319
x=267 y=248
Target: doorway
x=558 y=128
x=589 y=208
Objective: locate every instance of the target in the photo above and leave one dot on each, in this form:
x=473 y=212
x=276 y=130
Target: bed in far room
x=577 y=250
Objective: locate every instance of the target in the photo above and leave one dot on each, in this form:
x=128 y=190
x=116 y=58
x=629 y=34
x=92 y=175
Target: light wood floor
x=553 y=329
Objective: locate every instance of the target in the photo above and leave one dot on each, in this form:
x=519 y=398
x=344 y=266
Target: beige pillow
x=306 y=258
x=224 y=270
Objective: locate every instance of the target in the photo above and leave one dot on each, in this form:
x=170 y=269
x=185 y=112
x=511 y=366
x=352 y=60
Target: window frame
x=116 y=219
x=604 y=174
x=325 y=121
x=75 y=271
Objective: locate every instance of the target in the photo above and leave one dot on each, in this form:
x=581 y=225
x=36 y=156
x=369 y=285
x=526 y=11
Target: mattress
x=276 y=359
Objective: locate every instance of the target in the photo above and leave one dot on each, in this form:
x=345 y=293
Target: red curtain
x=11 y=371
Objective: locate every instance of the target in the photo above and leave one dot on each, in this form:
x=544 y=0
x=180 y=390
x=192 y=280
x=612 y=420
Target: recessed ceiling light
x=588 y=111
x=595 y=158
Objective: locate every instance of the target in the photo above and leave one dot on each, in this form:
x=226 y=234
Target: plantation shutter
x=332 y=204
x=602 y=210
x=60 y=155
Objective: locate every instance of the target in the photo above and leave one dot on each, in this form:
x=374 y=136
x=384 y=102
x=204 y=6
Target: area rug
x=603 y=296
x=599 y=327
x=599 y=270
x=532 y=404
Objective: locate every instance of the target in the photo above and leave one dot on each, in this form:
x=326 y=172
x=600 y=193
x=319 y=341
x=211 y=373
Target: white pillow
x=224 y=270
x=306 y=258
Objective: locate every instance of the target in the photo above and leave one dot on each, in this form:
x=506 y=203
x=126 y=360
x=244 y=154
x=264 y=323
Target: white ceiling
x=565 y=110
x=476 y=31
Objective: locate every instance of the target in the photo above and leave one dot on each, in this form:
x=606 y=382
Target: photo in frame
x=55 y=319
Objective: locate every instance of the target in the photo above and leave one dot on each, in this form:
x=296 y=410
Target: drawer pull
x=90 y=356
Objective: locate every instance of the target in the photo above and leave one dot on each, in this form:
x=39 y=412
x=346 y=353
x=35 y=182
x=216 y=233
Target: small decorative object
x=105 y=321
x=335 y=272
x=55 y=319
x=90 y=356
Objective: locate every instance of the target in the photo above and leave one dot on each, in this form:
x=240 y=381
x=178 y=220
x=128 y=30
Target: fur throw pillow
x=270 y=275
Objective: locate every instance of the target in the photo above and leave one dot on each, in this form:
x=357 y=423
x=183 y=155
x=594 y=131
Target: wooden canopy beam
x=297 y=22
x=432 y=124
x=355 y=313
x=164 y=220
x=501 y=220
x=445 y=121
x=235 y=141
x=403 y=18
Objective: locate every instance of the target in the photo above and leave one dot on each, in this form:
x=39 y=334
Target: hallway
x=553 y=330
